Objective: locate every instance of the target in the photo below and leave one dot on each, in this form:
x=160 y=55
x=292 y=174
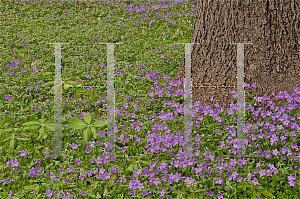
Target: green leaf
x=130 y=168
x=71 y=83
x=50 y=127
x=47 y=73
x=72 y=79
x=23 y=139
x=145 y=162
x=87 y=118
x=2 y=142
x=266 y=193
x=32 y=123
x=13 y=129
x=31 y=187
x=99 y=123
x=39 y=147
x=12 y=144
x=48 y=84
x=93 y=130
x=78 y=124
x=49 y=122
x=243 y=185
x=32 y=128
x=86 y=134
x=111 y=180
x=41 y=133
x=51 y=91
x=45 y=135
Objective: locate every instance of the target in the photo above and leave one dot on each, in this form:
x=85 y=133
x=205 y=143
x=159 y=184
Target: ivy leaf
x=87 y=118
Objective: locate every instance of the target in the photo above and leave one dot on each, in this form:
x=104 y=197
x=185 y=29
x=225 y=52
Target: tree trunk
x=272 y=62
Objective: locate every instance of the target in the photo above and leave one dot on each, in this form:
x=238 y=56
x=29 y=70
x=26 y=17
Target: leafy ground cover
x=149 y=134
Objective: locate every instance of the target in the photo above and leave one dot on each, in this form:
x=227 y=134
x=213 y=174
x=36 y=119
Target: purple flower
x=82 y=193
x=37 y=161
x=14 y=163
x=292 y=183
x=22 y=153
x=145 y=193
x=74 y=146
x=101 y=100
x=70 y=169
x=219 y=180
x=131 y=193
x=78 y=162
x=210 y=194
x=49 y=193
x=162 y=193
x=255 y=181
x=220 y=195
x=8 y=97
x=5 y=181
x=189 y=180
x=292 y=177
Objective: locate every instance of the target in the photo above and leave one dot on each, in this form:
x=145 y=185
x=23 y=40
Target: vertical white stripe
x=110 y=99
x=240 y=99
x=57 y=103
x=187 y=98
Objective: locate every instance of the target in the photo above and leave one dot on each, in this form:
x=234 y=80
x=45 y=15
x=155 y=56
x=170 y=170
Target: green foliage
x=68 y=81
x=12 y=138
x=139 y=46
x=41 y=125
x=87 y=126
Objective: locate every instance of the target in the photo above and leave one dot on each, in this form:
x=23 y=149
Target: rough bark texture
x=272 y=62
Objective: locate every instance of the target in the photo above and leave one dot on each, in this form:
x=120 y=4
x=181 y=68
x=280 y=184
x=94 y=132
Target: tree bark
x=272 y=62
